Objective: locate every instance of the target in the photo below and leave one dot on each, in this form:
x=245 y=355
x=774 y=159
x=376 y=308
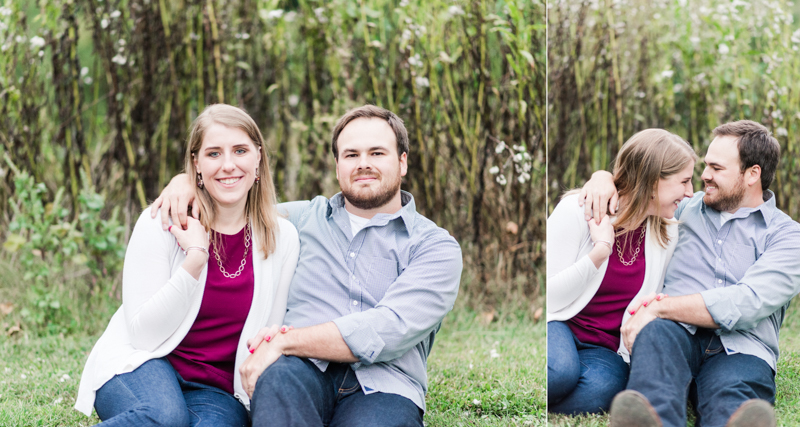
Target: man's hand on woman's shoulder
x=175 y=201
x=599 y=196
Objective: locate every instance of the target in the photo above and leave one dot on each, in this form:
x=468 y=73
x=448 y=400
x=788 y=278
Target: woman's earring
x=258 y=178
x=199 y=181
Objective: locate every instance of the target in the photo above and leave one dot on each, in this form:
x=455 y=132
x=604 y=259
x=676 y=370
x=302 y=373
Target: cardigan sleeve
x=288 y=250
x=154 y=300
x=569 y=271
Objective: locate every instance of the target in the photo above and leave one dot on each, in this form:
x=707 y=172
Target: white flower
x=500 y=147
x=796 y=37
x=422 y=82
x=415 y=61
x=4 y=47
x=275 y=14
x=524 y=177
x=640 y=94
x=471 y=366
x=723 y=49
x=520 y=147
x=23 y=376
x=493 y=353
x=57 y=401
x=290 y=16
x=115 y=14
x=88 y=80
x=245 y=36
x=667 y=74
x=455 y=10
x=403 y=3
x=777 y=114
x=294 y=100
x=5 y=11
x=119 y=59
x=122 y=42
x=782 y=132
x=320 y=12
x=694 y=39
x=476 y=402
x=65 y=377
x=104 y=23
x=37 y=42
x=677 y=88
x=494 y=170
x=19 y=39
x=406 y=35
x=501 y=179
x=41 y=53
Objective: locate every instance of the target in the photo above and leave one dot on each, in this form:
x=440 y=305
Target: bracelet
x=197 y=248
x=605 y=242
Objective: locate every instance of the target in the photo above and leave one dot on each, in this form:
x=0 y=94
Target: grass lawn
x=787 y=399
x=478 y=375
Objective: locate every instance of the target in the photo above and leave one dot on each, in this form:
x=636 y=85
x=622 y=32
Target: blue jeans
x=154 y=394
x=669 y=365
x=294 y=392
x=581 y=378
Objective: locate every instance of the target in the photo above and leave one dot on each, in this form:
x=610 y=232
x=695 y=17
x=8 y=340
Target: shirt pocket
x=743 y=257
x=382 y=273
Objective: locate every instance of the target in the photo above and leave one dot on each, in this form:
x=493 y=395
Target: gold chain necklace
x=244 y=259
x=635 y=253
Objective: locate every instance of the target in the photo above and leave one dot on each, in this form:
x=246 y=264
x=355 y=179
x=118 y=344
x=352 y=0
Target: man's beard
x=726 y=200
x=368 y=199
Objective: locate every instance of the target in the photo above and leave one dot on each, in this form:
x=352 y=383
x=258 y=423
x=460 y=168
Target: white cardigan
x=161 y=301
x=572 y=279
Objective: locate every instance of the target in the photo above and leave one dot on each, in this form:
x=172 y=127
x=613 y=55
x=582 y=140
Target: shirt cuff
x=722 y=309
x=363 y=340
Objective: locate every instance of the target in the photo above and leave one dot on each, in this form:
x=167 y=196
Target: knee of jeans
x=284 y=372
x=167 y=414
x=658 y=330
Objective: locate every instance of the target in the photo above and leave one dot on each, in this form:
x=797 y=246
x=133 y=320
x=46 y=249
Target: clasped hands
x=642 y=313
x=265 y=348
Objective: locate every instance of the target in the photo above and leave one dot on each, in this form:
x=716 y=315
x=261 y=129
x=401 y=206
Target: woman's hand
x=195 y=235
x=266 y=334
x=603 y=240
x=645 y=301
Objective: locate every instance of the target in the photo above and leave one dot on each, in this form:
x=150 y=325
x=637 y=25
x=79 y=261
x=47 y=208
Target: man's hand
x=176 y=199
x=634 y=325
x=264 y=355
x=599 y=195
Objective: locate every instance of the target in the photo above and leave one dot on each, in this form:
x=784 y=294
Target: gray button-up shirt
x=747 y=270
x=387 y=289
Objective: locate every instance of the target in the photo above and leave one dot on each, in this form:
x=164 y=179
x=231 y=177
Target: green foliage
x=108 y=90
x=686 y=66
x=49 y=248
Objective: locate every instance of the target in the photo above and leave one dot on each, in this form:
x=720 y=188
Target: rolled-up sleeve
x=769 y=284
x=413 y=306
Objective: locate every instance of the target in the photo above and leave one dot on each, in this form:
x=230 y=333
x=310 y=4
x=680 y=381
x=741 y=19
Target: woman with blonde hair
x=598 y=272
x=170 y=356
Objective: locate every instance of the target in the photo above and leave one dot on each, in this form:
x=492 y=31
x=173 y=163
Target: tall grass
x=619 y=66
x=107 y=89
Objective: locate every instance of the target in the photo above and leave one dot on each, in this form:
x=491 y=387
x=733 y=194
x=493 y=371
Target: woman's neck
x=229 y=220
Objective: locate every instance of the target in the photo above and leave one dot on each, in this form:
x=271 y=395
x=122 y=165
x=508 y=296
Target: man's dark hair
x=368 y=112
x=756 y=146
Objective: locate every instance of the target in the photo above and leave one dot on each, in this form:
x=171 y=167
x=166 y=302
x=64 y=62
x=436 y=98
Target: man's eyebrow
x=376 y=148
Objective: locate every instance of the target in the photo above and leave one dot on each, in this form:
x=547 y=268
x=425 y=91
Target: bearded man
x=734 y=271
x=373 y=282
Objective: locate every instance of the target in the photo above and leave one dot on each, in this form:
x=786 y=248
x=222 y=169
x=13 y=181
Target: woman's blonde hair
x=261 y=200
x=644 y=159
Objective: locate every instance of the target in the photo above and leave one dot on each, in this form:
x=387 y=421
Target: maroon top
x=208 y=352
x=599 y=322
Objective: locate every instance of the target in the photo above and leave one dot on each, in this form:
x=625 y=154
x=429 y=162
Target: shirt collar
x=407 y=213
x=767 y=209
